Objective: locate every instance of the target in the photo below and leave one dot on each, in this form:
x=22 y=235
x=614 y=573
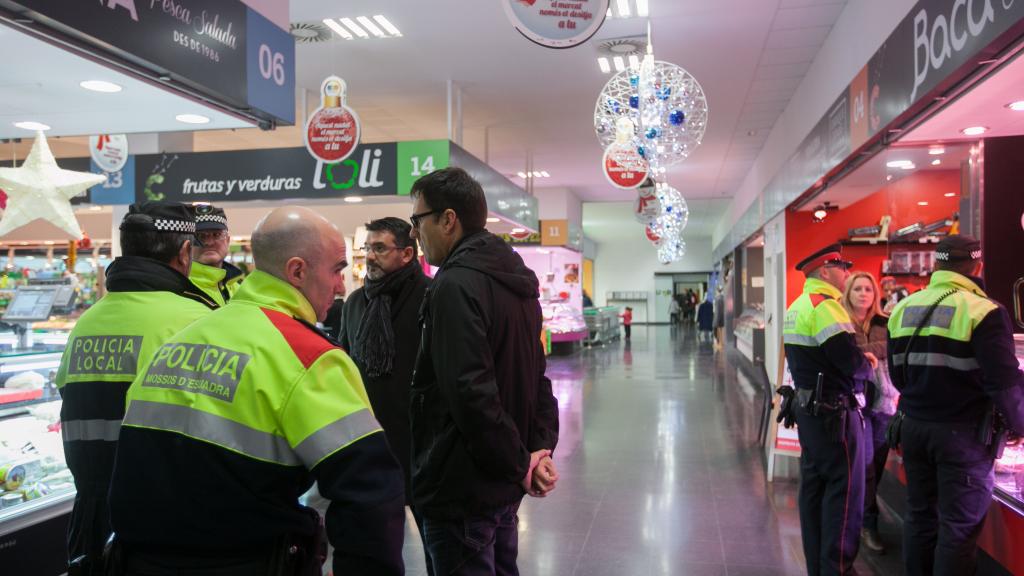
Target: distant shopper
x=951 y=355
x=829 y=371
x=719 y=317
x=705 y=319
x=217 y=277
x=484 y=420
x=380 y=330
x=627 y=322
x=862 y=301
x=236 y=416
x=673 y=311
x=150 y=299
x=587 y=301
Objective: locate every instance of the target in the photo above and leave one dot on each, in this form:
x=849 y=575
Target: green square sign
x=419 y=158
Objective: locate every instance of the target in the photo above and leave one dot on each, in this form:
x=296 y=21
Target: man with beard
x=380 y=329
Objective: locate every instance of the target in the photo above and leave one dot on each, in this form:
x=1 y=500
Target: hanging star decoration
x=39 y=189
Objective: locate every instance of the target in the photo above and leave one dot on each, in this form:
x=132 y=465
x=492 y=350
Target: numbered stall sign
x=419 y=158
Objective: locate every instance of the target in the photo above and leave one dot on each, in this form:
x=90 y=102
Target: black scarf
x=374 y=345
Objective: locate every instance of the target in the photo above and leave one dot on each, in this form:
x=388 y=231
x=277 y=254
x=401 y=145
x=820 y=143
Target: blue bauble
x=664 y=93
x=677 y=118
x=652 y=133
x=642 y=152
x=634 y=80
x=634 y=101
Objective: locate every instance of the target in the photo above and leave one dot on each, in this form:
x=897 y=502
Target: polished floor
x=660 y=473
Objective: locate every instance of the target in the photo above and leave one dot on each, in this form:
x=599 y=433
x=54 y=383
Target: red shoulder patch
x=307 y=344
x=817 y=299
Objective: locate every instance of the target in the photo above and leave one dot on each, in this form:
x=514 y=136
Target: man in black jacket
x=484 y=421
x=380 y=330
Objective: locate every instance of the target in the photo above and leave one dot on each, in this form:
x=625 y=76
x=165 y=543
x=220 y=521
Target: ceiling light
x=820 y=213
x=888 y=178
x=522 y=175
x=634 y=61
x=353 y=199
x=493 y=220
x=391 y=28
x=338 y=29
x=544 y=173
x=936 y=151
x=48 y=242
x=354 y=27
x=898 y=163
x=974 y=131
x=518 y=230
x=1017 y=106
x=369 y=25
x=922 y=203
x=100 y=86
x=605 y=66
x=641 y=8
x=192 y=118
x=30 y=125
x=96 y=208
x=623 y=8
x=620 y=64
x=936 y=162
x=949 y=194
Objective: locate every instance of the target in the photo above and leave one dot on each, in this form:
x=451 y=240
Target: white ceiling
x=613 y=221
x=39 y=82
x=985 y=105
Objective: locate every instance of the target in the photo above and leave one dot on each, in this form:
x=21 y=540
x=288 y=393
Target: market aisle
x=659 y=473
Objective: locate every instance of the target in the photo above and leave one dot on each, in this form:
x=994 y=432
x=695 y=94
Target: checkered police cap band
x=212 y=218
x=946 y=256
x=181 y=226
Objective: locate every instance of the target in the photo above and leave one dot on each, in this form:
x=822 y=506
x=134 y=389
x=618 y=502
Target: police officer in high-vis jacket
x=217 y=277
x=951 y=355
x=149 y=299
x=235 y=417
x=829 y=371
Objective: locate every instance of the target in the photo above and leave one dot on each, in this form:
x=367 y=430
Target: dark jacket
x=480 y=400
x=389 y=396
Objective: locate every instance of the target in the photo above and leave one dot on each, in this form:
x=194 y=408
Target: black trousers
x=88 y=530
x=831 y=493
x=629 y=329
x=949 y=491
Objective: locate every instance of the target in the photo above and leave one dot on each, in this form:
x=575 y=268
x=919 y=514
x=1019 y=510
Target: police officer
x=951 y=356
x=828 y=369
x=149 y=299
x=210 y=271
x=237 y=415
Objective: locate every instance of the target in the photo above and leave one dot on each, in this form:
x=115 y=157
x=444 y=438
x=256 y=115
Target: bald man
x=234 y=419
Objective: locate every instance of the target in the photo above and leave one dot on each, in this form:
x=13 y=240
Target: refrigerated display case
x=36 y=487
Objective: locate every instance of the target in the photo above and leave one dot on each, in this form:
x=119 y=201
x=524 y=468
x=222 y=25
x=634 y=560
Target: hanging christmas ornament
x=41 y=190
x=624 y=167
x=673 y=206
x=646 y=207
x=671 y=250
x=332 y=131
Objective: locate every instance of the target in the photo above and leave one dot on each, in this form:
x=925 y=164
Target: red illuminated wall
x=899 y=200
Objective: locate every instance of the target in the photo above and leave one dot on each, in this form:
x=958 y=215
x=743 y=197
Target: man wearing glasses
x=484 y=421
x=380 y=330
x=218 y=278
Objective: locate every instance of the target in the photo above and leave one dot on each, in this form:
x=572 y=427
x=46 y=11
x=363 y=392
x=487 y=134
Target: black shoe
x=872 y=541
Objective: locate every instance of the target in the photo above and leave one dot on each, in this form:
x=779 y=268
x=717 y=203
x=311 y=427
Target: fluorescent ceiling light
x=936 y=162
x=192 y=119
x=974 y=130
x=641 y=8
x=634 y=61
x=369 y=25
x=545 y=174
x=1017 y=106
x=354 y=27
x=898 y=163
x=387 y=25
x=605 y=66
x=353 y=199
x=31 y=125
x=623 y=8
x=922 y=203
x=338 y=29
x=936 y=151
x=522 y=175
x=949 y=194
x=620 y=64
x=493 y=220
x=100 y=86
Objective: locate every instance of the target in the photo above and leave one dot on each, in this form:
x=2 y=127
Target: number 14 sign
x=420 y=158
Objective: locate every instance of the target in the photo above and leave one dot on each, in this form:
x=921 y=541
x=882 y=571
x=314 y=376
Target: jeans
x=484 y=544
x=875 y=425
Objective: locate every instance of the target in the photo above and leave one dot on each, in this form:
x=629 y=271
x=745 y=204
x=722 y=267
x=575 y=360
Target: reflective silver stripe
x=338 y=434
x=831 y=330
x=211 y=428
x=799 y=340
x=937 y=359
x=85 y=430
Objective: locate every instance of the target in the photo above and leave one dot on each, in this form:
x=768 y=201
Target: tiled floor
x=660 y=473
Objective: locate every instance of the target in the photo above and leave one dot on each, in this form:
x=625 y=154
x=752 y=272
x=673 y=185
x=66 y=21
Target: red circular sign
x=652 y=235
x=624 y=168
x=332 y=132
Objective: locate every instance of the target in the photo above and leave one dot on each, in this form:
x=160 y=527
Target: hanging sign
x=332 y=131
x=624 y=167
x=109 y=151
x=646 y=207
x=653 y=235
x=557 y=23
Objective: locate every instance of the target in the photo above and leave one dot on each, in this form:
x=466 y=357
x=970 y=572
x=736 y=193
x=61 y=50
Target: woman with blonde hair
x=862 y=300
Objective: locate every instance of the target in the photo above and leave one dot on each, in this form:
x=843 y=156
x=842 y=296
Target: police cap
x=829 y=255
x=160 y=217
x=210 y=217
x=958 y=248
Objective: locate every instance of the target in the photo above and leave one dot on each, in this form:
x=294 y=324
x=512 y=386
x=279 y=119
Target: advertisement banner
x=557 y=23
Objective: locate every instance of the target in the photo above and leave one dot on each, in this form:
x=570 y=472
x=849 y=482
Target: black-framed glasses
x=378 y=249
x=417 y=218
